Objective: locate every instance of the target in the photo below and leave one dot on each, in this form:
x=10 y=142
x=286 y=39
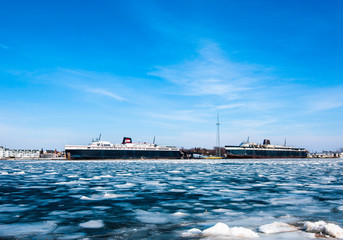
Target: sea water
x=172 y=199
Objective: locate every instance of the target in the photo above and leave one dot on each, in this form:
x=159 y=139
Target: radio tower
x=218 y=136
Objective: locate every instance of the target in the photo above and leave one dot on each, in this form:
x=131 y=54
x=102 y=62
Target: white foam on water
x=126 y=185
x=154 y=183
x=67 y=183
x=322 y=227
x=176 y=179
x=276 y=227
x=101 y=207
x=27 y=228
x=111 y=195
x=93 y=178
x=180 y=214
x=174 y=171
x=73 y=176
x=97 y=197
x=106 y=176
x=87 y=198
x=19 y=173
x=220 y=210
x=124 y=174
x=177 y=190
x=93 y=224
x=3 y=173
x=291 y=200
x=221 y=229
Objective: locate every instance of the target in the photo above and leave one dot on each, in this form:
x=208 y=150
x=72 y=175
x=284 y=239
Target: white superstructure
x=105 y=145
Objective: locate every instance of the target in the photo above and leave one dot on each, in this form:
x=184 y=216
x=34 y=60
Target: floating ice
x=221 y=229
x=322 y=227
x=276 y=227
x=27 y=228
x=192 y=233
x=93 y=224
x=151 y=217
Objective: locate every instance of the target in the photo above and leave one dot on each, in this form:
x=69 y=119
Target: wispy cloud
x=182 y=115
x=101 y=84
x=230 y=106
x=211 y=74
x=3 y=46
x=324 y=99
x=103 y=92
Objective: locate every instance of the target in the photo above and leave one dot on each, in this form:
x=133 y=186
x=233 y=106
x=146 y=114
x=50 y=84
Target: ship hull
x=121 y=154
x=246 y=153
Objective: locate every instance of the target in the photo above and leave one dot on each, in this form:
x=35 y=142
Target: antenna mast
x=218 y=136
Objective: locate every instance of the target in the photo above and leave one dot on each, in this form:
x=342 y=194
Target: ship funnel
x=266 y=142
x=126 y=140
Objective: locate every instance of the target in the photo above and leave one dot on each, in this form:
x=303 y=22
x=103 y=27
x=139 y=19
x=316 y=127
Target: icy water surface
x=171 y=199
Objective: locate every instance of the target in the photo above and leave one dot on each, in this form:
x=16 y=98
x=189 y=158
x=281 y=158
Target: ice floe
x=17 y=229
x=151 y=217
x=324 y=228
x=221 y=229
x=93 y=224
x=192 y=233
x=276 y=227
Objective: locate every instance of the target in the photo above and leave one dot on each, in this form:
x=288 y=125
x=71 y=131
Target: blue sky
x=70 y=70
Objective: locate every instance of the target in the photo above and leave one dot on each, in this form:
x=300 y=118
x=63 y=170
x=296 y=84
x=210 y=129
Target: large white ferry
x=99 y=149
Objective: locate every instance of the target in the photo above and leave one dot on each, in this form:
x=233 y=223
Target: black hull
x=121 y=154
x=265 y=154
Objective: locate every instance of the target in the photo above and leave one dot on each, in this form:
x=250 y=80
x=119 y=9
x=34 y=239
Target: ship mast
x=218 y=136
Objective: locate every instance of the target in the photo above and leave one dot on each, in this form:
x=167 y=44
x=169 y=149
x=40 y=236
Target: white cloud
x=211 y=74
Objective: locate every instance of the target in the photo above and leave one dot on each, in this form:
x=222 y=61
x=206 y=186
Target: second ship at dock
x=265 y=150
x=99 y=149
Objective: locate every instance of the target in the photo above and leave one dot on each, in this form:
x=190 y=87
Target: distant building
x=325 y=154
x=18 y=153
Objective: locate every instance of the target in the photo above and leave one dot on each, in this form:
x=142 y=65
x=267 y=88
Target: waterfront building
x=18 y=153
